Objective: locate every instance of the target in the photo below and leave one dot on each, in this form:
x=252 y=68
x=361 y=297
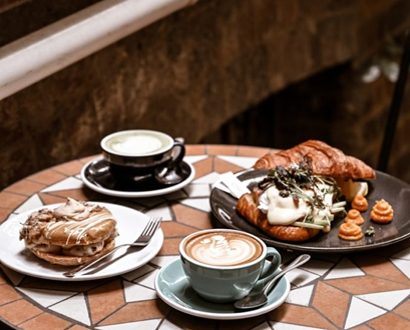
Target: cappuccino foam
x=138 y=143
x=223 y=248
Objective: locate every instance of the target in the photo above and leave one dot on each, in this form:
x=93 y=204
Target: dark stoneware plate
x=393 y=190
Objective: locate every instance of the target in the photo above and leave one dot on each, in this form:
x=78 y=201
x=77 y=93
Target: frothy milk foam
x=138 y=143
x=223 y=249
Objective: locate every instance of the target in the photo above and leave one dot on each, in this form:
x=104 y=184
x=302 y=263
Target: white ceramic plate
x=172 y=286
x=136 y=194
x=130 y=224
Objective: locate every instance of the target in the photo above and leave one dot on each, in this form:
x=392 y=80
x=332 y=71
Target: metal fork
x=143 y=240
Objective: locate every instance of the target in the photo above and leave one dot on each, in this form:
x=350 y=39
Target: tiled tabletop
x=337 y=291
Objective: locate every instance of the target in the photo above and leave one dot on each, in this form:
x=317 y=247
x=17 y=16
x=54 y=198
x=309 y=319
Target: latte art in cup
x=224 y=265
x=223 y=249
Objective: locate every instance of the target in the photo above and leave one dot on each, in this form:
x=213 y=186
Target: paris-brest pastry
x=72 y=234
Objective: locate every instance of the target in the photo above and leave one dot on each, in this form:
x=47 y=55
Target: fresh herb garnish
x=370 y=231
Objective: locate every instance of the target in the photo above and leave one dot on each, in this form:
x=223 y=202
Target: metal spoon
x=260 y=299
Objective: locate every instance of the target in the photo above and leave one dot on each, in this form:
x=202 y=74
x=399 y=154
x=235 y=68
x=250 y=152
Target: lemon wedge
x=353 y=188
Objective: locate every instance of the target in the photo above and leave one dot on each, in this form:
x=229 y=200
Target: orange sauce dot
x=349 y=231
x=382 y=212
x=360 y=203
x=354 y=216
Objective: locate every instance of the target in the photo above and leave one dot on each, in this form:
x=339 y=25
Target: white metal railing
x=48 y=50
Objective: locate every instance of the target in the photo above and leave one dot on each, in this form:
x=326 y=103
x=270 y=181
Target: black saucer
x=104 y=178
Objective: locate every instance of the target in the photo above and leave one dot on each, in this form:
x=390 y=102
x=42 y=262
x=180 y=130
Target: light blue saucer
x=173 y=288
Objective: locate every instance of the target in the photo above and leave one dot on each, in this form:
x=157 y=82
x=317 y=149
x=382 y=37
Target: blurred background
x=269 y=73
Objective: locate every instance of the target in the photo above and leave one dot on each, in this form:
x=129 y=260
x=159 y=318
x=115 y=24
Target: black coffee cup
x=136 y=153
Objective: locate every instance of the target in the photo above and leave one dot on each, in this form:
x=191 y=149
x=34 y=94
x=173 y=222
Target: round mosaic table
x=369 y=290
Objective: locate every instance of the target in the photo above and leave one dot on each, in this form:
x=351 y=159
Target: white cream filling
x=83 y=250
x=48 y=248
x=286 y=210
x=75 y=251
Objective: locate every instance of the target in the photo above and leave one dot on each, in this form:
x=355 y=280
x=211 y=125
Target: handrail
x=52 y=48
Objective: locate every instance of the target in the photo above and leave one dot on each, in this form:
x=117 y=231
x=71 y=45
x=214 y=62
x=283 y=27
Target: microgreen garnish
x=370 y=231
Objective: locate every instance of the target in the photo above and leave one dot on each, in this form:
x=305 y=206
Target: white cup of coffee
x=224 y=265
x=141 y=151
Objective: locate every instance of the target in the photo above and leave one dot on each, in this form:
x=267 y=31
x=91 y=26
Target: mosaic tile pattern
x=353 y=291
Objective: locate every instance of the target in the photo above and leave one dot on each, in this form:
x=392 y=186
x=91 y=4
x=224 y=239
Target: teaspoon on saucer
x=260 y=299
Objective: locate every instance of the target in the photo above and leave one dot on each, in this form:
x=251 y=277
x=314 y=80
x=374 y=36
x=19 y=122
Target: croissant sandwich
x=325 y=160
x=72 y=234
x=306 y=187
